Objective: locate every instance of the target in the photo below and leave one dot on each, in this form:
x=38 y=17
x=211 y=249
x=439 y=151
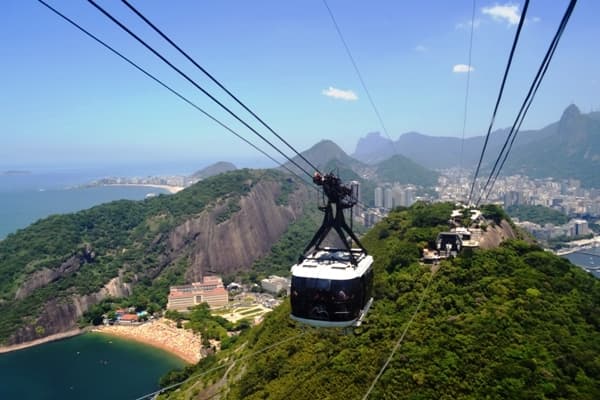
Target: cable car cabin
x=329 y=291
x=449 y=242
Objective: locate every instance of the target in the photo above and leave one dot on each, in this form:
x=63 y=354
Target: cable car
x=332 y=287
x=449 y=242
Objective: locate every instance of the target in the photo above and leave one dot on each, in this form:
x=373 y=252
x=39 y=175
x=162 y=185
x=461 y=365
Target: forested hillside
x=505 y=323
x=537 y=214
x=59 y=267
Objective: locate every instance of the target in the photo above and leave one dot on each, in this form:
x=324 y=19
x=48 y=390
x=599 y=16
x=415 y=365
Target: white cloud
x=535 y=19
x=340 y=94
x=505 y=13
x=467 y=25
x=460 y=68
x=421 y=49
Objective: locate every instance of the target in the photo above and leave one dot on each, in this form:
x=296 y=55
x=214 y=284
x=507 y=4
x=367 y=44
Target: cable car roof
x=332 y=264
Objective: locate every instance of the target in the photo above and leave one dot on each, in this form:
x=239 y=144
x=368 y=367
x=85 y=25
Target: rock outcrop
x=496 y=234
x=61 y=315
x=236 y=243
x=46 y=275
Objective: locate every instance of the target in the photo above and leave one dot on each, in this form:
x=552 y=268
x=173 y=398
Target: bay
x=588 y=259
x=20 y=208
x=91 y=366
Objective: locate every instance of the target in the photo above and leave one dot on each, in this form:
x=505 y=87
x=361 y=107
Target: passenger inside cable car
x=330 y=299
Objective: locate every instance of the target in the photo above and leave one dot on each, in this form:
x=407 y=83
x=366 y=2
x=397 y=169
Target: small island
x=11 y=172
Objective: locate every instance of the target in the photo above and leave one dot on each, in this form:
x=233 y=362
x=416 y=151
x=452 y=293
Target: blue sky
x=68 y=101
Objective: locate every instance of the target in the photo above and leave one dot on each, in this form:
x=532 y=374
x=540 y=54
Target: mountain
x=213 y=169
x=572 y=150
x=503 y=323
x=403 y=170
x=329 y=157
x=373 y=148
x=58 y=268
x=436 y=152
x=322 y=154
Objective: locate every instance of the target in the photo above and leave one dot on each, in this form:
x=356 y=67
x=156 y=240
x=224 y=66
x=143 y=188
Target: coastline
x=170 y=189
x=36 y=342
x=161 y=334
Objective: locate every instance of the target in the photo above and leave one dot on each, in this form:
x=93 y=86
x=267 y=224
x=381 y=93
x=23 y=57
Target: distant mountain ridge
x=329 y=157
x=213 y=169
x=572 y=150
x=566 y=142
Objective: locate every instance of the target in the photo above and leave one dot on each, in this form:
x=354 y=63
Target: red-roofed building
x=129 y=318
x=210 y=290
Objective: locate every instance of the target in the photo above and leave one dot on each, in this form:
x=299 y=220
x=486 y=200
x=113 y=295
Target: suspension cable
x=360 y=77
x=216 y=81
x=399 y=342
x=510 y=57
x=527 y=103
x=195 y=84
x=465 y=109
x=170 y=89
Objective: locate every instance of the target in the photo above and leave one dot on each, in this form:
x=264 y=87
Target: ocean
x=26 y=198
x=588 y=259
x=91 y=366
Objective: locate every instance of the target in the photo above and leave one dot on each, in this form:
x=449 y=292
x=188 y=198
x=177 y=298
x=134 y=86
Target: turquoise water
x=20 y=208
x=588 y=259
x=90 y=366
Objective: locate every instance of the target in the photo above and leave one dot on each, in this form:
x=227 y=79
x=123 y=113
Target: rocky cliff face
x=46 y=275
x=496 y=234
x=61 y=315
x=235 y=244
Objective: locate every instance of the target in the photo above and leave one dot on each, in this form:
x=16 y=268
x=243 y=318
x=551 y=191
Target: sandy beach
x=51 y=338
x=170 y=189
x=160 y=333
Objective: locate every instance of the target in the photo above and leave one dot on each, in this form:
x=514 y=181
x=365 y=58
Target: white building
x=274 y=284
x=210 y=290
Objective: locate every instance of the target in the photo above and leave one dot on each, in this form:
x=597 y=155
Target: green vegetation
x=572 y=150
x=251 y=311
x=209 y=326
x=537 y=214
x=231 y=207
x=402 y=169
x=510 y=322
x=494 y=212
x=125 y=238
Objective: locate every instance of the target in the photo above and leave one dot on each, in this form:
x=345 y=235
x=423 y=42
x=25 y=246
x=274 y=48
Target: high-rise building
x=355 y=186
x=378 y=197
x=388 y=200
x=580 y=227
